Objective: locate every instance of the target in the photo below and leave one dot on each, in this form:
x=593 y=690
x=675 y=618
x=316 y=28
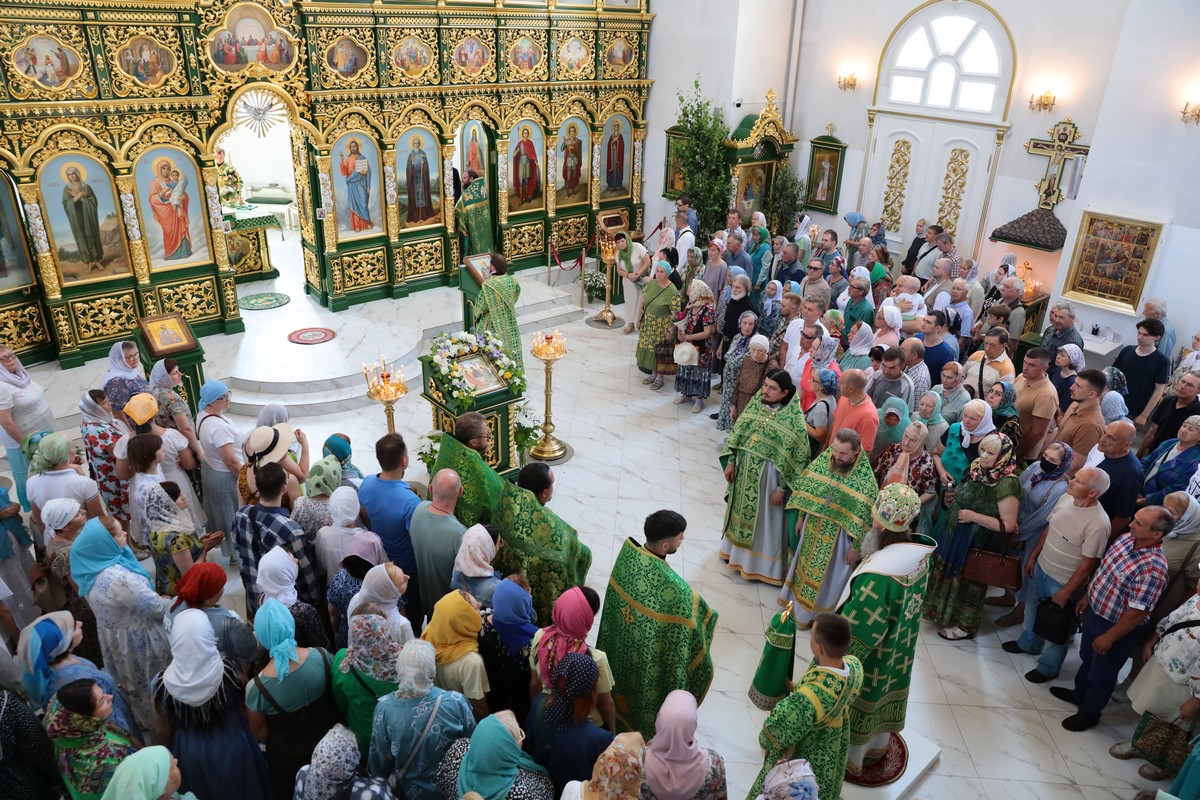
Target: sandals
x=955 y=634
x=628 y=329
x=657 y=384
x=649 y=379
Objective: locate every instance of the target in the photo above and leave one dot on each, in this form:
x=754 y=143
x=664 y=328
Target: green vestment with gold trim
x=496 y=311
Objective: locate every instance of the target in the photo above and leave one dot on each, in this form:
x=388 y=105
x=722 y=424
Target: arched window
x=948 y=59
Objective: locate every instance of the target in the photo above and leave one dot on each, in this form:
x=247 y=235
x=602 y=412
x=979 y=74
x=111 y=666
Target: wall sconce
x=847 y=83
x=1190 y=114
x=1043 y=103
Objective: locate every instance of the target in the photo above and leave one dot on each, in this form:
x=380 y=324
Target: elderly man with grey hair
x=1060 y=331
x=735 y=252
x=1012 y=289
x=436 y=535
x=1156 y=308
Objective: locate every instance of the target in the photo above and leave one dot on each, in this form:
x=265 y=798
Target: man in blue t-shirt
x=938 y=351
x=1125 y=474
x=388 y=503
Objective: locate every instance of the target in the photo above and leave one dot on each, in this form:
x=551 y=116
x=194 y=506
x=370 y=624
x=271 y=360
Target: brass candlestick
x=608 y=255
x=548 y=348
x=385 y=386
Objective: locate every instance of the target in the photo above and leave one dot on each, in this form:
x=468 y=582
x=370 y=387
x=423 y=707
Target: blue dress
x=213 y=743
x=341 y=589
x=122 y=712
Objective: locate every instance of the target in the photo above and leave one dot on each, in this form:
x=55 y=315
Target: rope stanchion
x=578 y=262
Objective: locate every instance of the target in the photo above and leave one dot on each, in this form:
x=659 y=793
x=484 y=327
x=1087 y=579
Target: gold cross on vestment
x=875 y=677
x=1059 y=148
x=908 y=638
x=868 y=591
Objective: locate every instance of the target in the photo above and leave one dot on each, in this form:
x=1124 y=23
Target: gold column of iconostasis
x=115 y=203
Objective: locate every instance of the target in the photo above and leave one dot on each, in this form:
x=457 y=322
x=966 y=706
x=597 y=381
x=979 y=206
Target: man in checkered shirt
x=1123 y=592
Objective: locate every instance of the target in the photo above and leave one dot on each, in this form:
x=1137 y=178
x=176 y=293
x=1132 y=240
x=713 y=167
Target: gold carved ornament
x=326 y=42
x=195 y=300
x=419 y=259
x=23 y=327
x=524 y=240
x=221 y=82
x=303 y=192
x=639 y=135
x=104 y=317
x=448 y=189
x=139 y=258
x=512 y=51
x=500 y=190
x=325 y=187
x=312 y=272
x=149 y=301
x=596 y=171
x=335 y=274
x=569 y=231
x=120 y=42
x=391 y=196
x=62 y=326
x=628 y=42
x=50 y=46
x=216 y=219
x=953 y=187
x=359 y=121
x=471 y=71
x=574 y=55
x=769 y=125
x=230 y=298
x=251 y=245
x=897 y=184
x=364 y=269
x=47 y=269
x=551 y=188
x=418 y=63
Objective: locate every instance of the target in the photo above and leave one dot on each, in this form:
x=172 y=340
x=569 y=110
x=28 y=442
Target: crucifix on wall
x=1060 y=148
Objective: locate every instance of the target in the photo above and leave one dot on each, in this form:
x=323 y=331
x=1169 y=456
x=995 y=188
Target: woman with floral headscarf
x=822 y=353
x=172 y=535
x=383 y=587
x=473 y=571
x=1068 y=361
x=1171 y=465
x=290 y=703
x=492 y=765
x=735 y=354
x=88 y=744
x=311 y=512
x=693 y=381
x=983 y=514
x=416 y=725
x=908 y=462
x=1112 y=399
x=619 y=775
x=365 y=671
x=1002 y=397
x=198 y=702
x=333 y=773
x=561 y=737
x=951 y=391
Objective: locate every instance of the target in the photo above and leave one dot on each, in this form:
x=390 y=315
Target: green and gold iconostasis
x=111 y=184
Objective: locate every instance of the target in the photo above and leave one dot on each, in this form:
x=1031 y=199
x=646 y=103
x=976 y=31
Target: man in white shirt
x=684 y=238
x=958 y=304
x=797 y=354
x=733 y=224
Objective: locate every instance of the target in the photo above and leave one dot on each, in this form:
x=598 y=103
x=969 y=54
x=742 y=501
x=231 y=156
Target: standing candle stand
x=608 y=256
x=548 y=348
x=385 y=386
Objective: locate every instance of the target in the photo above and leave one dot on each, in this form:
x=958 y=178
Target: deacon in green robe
x=656 y=630
x=883 y=605
x=829 y=511
x=473 y=212
x=537 y=542
x=812 y=722
x=764 y=457
x=496 y=308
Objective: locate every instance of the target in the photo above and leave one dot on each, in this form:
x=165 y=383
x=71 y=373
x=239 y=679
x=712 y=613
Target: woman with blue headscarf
x=504 y=646
x=338 y=446
x=290 y=704
x=129 y=612
x=46 y=655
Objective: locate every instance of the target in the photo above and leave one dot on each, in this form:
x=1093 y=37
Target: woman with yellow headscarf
x=453 y=631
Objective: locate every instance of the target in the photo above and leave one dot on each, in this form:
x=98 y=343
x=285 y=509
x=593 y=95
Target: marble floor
x=636 y=452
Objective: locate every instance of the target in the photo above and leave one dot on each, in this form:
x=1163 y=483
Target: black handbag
x=1053 y=622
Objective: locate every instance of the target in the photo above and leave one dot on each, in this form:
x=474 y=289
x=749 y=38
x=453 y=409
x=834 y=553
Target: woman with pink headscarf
x=676 y=766
x=571 y=622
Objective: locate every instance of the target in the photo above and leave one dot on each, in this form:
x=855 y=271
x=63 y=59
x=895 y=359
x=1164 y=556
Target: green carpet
x=263 y=300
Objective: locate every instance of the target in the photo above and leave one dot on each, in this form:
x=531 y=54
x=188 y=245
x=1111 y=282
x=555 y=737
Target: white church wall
x=1143 y=159
x=264 y=161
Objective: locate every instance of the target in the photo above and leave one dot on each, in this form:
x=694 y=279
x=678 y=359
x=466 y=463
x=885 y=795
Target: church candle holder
x=548 y=348
x=385 y=386
x=608 y=256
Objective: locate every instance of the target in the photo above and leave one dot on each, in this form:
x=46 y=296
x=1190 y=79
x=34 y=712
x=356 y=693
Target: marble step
x=347 y=393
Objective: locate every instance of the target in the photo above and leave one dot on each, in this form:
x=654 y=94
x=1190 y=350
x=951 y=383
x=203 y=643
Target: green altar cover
x=657 y=633
x=536 y=541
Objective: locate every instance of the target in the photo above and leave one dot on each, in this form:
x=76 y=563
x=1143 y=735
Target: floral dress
x=341 y=589
x=119 y=390
x=163 y=546
x=311 y=514
x=739 y=348
x=714 y=786
x=695 y=381
x=97 y=436
x=660 y=306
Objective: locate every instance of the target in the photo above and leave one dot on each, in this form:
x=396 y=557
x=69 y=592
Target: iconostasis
x=118 y=200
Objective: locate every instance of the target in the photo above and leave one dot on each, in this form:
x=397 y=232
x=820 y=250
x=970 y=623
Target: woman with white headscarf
x=198 y=714
x=401 y=751
x=124 y=378
x=333 y=773
x=858 y=354
x=383 y=587
x=473 y=570
x=277 y=574
x=843 y=299
x=23 y=410
x=331 y=541
x=960 y=444
x=888 y=322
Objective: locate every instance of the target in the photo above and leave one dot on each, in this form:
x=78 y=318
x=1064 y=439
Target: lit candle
x=366 y=377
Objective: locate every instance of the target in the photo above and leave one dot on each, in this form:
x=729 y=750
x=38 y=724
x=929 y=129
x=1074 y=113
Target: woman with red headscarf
x=201 y=588
x=571 y=621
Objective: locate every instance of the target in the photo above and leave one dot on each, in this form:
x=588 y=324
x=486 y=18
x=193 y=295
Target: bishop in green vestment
x=766 y=454
x=473 y=213
x=536 y=541
x=883 y=605
x=829 y=512
x=656 y=630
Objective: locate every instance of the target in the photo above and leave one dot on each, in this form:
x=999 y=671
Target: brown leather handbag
x=991 y=568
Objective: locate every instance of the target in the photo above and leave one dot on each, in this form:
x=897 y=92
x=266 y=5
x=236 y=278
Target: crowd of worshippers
x=1085 y=479
x=388 y=649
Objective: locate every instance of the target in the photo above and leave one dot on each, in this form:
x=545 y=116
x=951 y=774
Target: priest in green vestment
x=764 y=457
x=656 y=630
x=883 y=606
x=473 y=213
x=812 y=722
x=829 y=512
x=496 y=308
x=537 y=542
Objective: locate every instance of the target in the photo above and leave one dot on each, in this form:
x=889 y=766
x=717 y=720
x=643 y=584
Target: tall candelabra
x=548 y=348
x=608 y=255
x=385 y=386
